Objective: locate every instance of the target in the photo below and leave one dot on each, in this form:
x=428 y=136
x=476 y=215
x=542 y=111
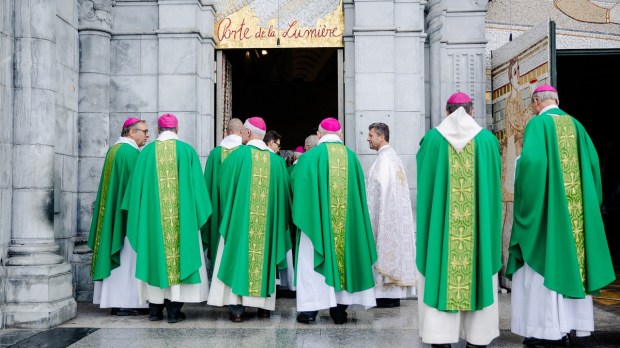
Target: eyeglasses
x=277 y=144
x=146 y=131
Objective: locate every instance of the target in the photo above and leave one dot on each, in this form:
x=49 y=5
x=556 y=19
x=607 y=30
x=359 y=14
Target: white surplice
x=221 y=294
x=540 y=312
x=476 y=327
x=391 y=216
x=120 y=289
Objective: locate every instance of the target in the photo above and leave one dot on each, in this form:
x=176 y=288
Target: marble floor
x=209 y=327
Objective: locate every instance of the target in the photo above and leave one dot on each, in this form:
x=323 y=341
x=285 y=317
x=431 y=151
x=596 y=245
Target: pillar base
x=38 y=297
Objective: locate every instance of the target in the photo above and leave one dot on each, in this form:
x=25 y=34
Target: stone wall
x=6 y=137
x=384 y=77
x=145 y=59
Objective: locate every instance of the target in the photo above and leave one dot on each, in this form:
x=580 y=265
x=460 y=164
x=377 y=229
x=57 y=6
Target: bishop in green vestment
x=558 y=249
x=114 y=261
x=230 y=143
x=459 y=229
x=254 y=227
x=335 y=243
x=167 y=204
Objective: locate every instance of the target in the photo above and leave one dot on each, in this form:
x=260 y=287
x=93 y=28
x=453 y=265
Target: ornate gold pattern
x=461 y=228
x=259 y=202
x=571 y=172
x=107 y=171
x=168 y=179
x=583 y=10
x=226 y=152
x=338 y=185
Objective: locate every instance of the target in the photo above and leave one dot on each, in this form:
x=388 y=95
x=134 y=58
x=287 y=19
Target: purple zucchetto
x=330 y=124
x=167 y=121
x=545 y=88
x=130 y=121
x=459 y=98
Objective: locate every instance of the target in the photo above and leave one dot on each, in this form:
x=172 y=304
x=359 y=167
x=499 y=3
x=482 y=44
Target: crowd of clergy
x=165 y=232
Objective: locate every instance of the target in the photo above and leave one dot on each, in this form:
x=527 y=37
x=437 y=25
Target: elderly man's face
x=140 y=134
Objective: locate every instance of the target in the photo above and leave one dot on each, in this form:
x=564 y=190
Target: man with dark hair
x=558 y=250
x=273 y=140
x=389 y=207
x=167 y=203
x=459 y=229
x=114 y=261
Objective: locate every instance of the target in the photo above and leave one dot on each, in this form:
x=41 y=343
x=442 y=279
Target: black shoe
x=180 y=316
x=447 y=345
x=388 y=302
x=156 y=312
x=471 y=345
x=565 y=341
x=339 y=314
x=235 y=318
x=305 y=318
x=263 y=313
x=123 y=312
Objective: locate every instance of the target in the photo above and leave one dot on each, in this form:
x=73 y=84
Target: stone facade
x=73 y=70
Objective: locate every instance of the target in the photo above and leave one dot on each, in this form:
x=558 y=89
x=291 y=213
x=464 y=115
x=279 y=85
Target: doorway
x=291 y=89
x=582 y=79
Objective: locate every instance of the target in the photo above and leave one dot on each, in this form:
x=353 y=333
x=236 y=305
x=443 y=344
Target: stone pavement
x=209 y=327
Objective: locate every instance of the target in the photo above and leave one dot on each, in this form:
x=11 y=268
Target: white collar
x=383 y=147
x=167 y=135
x=459 y=128
x=329 y=138
x=230 y=141
x=259 y=144
x=270 y=149
x=125 y=140
x=294 y=163
x=547 y=108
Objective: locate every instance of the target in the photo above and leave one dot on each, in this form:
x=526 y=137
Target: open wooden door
x=223 y=94
x=517 y=68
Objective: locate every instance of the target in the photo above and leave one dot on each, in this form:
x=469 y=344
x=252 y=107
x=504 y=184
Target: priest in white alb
x=391 y=216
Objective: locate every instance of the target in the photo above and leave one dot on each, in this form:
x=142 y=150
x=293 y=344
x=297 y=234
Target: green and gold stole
x=461 y=228
x=259 y=204
x=571 y=173
x=338 y=185
x=168 y=180
x=107 y=171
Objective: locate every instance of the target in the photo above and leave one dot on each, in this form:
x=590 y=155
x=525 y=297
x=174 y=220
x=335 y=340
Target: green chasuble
x=167 y=203
x=255 y=204
x=459 y=221
x=107 y=229
x=210 y=233
x=330 y=207
x=558 y=230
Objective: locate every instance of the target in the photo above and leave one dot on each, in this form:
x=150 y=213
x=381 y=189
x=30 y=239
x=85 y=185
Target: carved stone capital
x=96 y=14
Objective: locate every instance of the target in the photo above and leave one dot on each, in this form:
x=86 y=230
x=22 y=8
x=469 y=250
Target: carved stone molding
x=435 y=11
x=95 y=14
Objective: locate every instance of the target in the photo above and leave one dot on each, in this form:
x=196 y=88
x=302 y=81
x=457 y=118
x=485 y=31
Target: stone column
x=95 y=19
x=38 y=281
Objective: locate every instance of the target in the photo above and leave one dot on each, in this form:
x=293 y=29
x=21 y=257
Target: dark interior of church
x=587 y=86
x=292 y=89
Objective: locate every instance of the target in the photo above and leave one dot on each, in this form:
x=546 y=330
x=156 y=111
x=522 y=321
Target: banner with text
x=283 y=23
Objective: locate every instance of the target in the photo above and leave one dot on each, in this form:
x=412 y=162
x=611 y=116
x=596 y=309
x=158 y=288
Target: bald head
x=235 y=126
x=311 y=142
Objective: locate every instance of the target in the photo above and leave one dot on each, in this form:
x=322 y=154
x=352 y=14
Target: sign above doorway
x=278 y=23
